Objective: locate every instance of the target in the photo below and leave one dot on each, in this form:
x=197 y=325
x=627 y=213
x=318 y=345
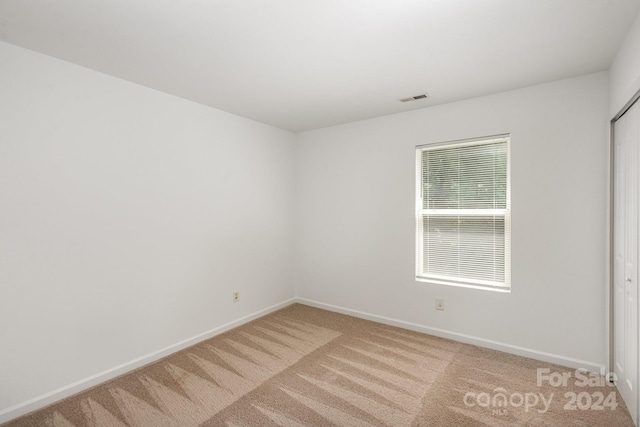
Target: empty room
x=319 y=213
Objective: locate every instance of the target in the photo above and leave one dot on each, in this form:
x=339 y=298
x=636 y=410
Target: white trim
x=79 y=386
x=43 y=400
x=464 y=212
x=467 y=339
x=421 y=213
x=482 y=140
x=472 y=284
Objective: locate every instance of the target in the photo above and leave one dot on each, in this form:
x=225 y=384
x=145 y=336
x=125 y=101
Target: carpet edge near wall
x=307 y=366
x=556 y=359
x=50 y=398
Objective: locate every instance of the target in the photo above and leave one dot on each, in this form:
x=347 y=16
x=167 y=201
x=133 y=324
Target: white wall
x=624 y=73
x=355 y=230
x=127 y=219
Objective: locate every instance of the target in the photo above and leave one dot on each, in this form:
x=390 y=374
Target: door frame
x=612 y=170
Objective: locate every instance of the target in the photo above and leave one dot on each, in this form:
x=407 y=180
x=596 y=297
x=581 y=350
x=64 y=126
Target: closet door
x=625 y=256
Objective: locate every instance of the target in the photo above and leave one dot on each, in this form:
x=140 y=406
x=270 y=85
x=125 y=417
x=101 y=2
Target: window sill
x=503 y=289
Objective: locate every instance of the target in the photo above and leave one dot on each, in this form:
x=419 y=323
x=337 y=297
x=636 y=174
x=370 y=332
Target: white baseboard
x=467 y=339
x=84 y=384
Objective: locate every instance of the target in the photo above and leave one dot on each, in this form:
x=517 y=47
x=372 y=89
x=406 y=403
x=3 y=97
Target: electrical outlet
x=236 y=296
x=439 y=303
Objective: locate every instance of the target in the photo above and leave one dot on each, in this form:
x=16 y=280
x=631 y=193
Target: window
x=462 y=213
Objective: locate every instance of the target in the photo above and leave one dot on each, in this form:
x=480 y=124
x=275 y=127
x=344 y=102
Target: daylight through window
x=462 y=209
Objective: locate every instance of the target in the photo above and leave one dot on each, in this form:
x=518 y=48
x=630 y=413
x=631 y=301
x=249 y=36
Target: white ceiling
x=303 y=64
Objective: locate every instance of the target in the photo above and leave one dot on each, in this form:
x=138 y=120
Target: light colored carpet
x=302 y=366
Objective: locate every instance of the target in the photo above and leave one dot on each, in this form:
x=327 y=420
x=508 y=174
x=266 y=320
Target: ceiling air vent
x=415 y=98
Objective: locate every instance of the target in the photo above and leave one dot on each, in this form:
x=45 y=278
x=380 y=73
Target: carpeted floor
x=302 y=366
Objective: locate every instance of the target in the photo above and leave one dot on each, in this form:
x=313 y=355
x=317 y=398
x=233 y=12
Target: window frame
x=421 y=276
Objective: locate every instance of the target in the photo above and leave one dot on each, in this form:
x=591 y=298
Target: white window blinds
x=463 y=213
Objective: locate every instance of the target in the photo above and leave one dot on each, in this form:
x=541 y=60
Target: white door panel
x=625 y=256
